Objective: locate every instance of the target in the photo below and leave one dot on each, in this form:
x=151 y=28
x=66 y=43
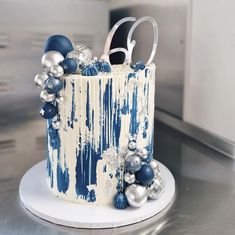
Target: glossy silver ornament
x=40 y=79
x=155 y=189
x=132 y=145
x=129 y=178
x=50 y=59
x=154 y=164
x=60 y=100
x=136 y=195
x=57 y=71
x=82 y=55
x=133 y=163
x=46 y=97
x=143 y=153
x=56 y=124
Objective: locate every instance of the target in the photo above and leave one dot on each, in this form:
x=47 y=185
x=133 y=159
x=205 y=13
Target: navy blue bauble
x=53 y=85
x=48 y=111
x=120 y=201
x=145 y=175
x=58 y=43
x=69 y=65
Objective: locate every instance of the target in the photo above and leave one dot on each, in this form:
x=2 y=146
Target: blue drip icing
x=117 y=124
x=146 y=72
x=86 y=169
x=125 y=108
x=72 y=116
x=134 y=112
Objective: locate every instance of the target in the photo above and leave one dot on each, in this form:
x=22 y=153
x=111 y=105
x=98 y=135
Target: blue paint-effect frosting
x=92 y=196
x=62 y=179
x=131 y=75
x=88 y=123
x=87 y=159
x=134 y=112
x=117 y=124
x=72 y=116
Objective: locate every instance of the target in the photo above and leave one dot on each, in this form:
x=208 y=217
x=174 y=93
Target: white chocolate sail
x=99 y=115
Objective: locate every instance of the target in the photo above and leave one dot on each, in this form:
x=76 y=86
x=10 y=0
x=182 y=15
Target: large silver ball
x=129 y=178
x=154 y=165
x=56 y=125
x=133 y=163
x=50 y=59
x=60 y=100
x=82 y=55
x=46 y=97
x=143 y=153
x=156 y=189
x=57 y=71
x=132 y=145
x=136 y=195
x=40 y=79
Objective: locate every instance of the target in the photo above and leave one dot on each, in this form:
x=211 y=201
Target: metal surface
x=203 y=203
x=170 y=60
x=218 y=143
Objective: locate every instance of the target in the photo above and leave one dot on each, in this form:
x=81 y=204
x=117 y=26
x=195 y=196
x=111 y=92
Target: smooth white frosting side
x=99 y=115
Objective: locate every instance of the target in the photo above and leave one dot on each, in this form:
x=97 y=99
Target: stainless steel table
x=204 y=201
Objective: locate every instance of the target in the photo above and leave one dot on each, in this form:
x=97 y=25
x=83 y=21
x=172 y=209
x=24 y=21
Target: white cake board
x=38 y=199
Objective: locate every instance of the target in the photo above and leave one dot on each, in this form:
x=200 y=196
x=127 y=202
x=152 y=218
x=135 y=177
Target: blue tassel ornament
x=120 y=201
x=105 y=67
x=90 y=70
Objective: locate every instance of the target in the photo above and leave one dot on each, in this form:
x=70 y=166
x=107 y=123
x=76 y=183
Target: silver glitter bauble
x=56 y=125
x=50 y=59
x=143 y=153
x=82 y=55
x=155 y=189
x=129 y=178
x=40 y=79
x=46 y=97
x=133 y=163
x=132 y=145
x=154 y=165
x=60 y=100
x=57 y=71
x=136 y=195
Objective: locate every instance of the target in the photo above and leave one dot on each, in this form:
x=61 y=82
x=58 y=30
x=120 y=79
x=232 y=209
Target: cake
x=100 y=124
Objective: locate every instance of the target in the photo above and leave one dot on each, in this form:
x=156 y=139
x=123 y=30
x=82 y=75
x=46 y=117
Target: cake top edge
x=116 y=69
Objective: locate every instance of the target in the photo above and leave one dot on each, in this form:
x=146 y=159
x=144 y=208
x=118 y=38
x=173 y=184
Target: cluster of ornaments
x=142 y=179
x=62 y=57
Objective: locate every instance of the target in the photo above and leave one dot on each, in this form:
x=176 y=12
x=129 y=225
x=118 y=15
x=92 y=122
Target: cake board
x=38 y=199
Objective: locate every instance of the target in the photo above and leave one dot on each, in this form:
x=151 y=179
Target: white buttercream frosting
x=98 y=116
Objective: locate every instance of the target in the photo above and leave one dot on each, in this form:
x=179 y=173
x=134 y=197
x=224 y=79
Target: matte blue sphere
x=69 y=65
x=145 y=175
x=53 y=85
x=58 y=43
x=48 y=111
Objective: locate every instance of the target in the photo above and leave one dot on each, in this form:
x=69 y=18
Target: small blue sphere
x=145 y=175
x=53 y=85
x=48 y=111
x=58 y=43
x=69 y=65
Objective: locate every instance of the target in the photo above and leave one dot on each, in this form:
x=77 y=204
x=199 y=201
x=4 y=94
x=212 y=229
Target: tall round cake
x=98 y=117
x=100 y=123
